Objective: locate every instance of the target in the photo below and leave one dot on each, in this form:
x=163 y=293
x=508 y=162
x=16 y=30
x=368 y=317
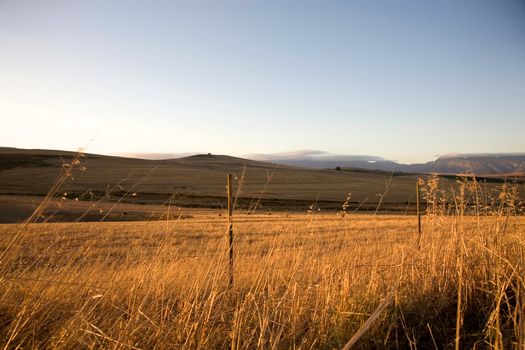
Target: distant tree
x=338 y=168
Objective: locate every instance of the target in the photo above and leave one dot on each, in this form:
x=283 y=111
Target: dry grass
x=301 y=281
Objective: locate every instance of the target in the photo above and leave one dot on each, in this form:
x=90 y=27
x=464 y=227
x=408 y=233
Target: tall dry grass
x=303 y=281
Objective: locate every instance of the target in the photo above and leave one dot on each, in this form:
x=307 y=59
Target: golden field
x=311 y=280
x=302 y=281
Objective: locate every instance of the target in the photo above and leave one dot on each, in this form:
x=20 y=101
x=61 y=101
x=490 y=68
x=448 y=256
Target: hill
x=196 y=181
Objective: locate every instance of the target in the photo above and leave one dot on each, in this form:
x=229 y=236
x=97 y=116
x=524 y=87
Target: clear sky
x=406 y=80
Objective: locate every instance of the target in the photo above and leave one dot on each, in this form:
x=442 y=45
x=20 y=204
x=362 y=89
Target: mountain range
x=479 y=164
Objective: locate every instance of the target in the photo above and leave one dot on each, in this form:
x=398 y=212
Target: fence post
x=418 y=209
x=230 y=230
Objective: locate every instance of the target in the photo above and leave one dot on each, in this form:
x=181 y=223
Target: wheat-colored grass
x=303 y=281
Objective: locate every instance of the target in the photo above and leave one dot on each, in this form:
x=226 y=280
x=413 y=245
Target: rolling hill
x=195 y=181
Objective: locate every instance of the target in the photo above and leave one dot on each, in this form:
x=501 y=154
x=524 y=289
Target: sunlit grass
x=301 y=281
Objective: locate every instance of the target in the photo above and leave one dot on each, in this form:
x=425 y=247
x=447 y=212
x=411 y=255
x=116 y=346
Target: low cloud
x=314 y=155
x=158 y=156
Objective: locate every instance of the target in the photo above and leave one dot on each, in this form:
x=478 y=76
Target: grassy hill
x=197 y=181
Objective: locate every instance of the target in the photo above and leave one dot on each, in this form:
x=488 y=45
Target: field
x=192 y=182
x=317 y=273
x=104 y=188
x=300 y=281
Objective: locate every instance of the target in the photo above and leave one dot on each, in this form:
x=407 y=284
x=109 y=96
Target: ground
x=300 y=280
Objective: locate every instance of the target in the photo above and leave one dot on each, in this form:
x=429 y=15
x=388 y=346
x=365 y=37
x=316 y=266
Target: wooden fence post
x=230 y=230
x=418 y=209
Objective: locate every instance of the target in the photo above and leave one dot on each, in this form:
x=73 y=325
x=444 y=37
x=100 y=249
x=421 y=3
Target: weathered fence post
x=418 y=209
x=230 y=229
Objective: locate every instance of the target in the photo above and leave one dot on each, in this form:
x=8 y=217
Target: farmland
x=139 y=268
x=116 y=189
x=301 y=280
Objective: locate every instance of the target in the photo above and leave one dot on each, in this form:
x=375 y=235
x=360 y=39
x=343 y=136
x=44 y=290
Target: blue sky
x=405 y=80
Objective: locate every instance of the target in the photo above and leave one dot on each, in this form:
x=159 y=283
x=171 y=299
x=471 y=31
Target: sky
x=403 y=80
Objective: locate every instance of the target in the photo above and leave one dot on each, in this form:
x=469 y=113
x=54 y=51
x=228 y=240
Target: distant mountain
x=486 y=164
x=480 y=164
